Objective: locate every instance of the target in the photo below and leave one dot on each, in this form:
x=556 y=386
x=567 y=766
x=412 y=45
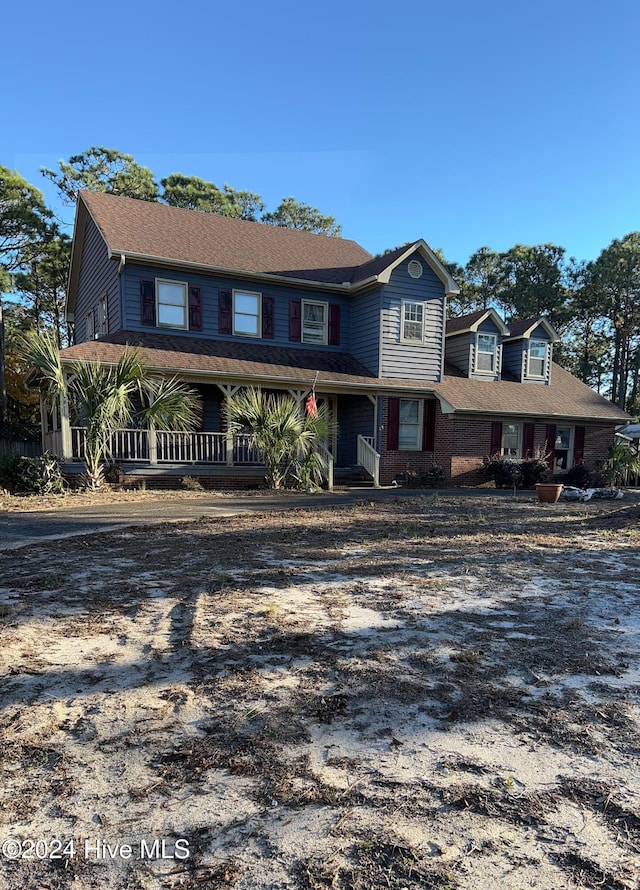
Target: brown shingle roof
x=565 y=397
x=149 y=230
x=464 y=322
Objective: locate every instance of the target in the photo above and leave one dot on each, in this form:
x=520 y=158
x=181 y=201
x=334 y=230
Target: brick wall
x=462 y=441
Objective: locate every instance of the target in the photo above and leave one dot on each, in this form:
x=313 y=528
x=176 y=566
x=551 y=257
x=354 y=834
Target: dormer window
x=486 y=353
x=537 y=363
x=412 y=325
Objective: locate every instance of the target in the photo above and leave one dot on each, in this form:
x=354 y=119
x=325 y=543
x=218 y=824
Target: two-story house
x=225 y=304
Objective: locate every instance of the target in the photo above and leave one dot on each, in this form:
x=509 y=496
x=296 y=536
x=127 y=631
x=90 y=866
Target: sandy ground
x=432 y=692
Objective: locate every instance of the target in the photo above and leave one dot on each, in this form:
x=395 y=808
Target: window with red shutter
x=334 y=324
x=393 y=424
x=147 y=301
x=195 y=308
x=225 y=305
x=295 y=321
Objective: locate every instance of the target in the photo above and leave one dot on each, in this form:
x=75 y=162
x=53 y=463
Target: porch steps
x=351 y=477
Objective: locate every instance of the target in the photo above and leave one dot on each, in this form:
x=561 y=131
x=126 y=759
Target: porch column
x=229 y=390
x=153 y=445
x=298 y=395
x=65 y=428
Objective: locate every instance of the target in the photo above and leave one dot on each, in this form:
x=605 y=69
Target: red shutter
x=578 y=445
x=429 y=426
x=550 y=444
x=224 y=311
x=195 y=308
x=148 y=301
x=528 y=431
x=295 y=321
x=496 y=437
x=334 y=324
x=267 y=317
x=393 y=425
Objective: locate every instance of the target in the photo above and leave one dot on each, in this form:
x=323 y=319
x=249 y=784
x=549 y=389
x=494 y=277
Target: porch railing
x=145 y=446
x=369 y=458
x=326 y=455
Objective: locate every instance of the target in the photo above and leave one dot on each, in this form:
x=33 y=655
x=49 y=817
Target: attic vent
x=415 y=269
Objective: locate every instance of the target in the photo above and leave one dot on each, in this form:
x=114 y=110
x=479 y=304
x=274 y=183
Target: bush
x=578 y=477
x=191 y=483
x=425 y=478
x=510 y=472
x=31 y=475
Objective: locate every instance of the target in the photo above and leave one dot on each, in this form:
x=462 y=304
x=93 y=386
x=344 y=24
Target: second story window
x=537 y=358
x=246 y=313
x=172 y=303
x=486 y=353
x=314 y=322
x=91 y=327
x=412 y=325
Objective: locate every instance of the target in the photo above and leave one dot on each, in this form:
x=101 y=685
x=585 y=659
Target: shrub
x=511 y=472
x=191 y=483
x=425 y=478
x=31 y=475
x=578 y=477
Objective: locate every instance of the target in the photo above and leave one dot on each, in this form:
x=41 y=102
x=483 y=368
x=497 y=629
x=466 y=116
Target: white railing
x=130 y=444
x=327 y=457
x=191 y=448
x=369 y=458
x=243 y=453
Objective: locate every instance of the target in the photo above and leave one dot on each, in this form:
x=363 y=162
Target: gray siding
x=98 y=277
x=365 y=329
x=210 y=286
x=458 y=351
x=413 y=361
x=488 y=326
x=516 y=354
x=513 y=358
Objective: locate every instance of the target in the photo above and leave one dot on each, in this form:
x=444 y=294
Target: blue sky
x=464 y=123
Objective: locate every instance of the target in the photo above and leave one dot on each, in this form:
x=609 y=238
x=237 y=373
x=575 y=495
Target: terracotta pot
x=548 y=492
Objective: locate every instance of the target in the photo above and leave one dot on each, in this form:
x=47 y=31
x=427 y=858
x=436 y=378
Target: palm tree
x=285 y=436
x=104 y=398
x=623 y=461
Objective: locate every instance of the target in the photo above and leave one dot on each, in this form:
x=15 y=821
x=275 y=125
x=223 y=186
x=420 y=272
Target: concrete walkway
x=24 y=529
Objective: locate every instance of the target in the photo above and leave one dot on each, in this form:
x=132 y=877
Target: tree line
x=593 y=305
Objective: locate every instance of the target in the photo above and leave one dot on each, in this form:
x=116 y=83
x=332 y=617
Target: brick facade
x=463 y=440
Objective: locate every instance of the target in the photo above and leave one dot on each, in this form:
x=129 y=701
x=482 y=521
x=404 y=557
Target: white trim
x=325 y=324
x=404 y=320
x=258 y=316
x=419 y=425
x=494 y=352
x=185 y=305
x=545 y=360
x=536 y=322
x=489 y=313
x=519 y=434
x=421 y=246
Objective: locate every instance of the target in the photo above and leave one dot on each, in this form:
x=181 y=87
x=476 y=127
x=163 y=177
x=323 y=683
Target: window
x=537 y=358
x=246 y=313
x=91 y=329
x=171 y=297
x=410 y=432
x=413 y=321
x=314 y=322
x=562 y=448
x=511 y=440
x=103 y=323
x=486 y=353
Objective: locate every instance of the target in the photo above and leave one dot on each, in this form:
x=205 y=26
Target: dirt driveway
x=420 y=692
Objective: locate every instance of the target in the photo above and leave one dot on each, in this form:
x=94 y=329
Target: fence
x=26 y=449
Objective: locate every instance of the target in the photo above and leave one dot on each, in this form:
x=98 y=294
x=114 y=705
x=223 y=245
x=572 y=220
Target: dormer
x=528 y=351
x=474 y=344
